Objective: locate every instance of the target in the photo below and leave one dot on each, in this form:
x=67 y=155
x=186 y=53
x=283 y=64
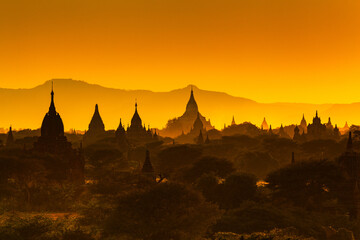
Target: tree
x=220 y=167
x=165 y=211
x=279 y=148
x=208 y=185
x=28 y=174
x=105 y=163
x=307 y=184
x=257 y=163
x=176 y=157
x=323 y=148
x=237 y=188
x=228 y=193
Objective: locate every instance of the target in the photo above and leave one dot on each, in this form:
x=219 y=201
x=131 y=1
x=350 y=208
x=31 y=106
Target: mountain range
x=75 y=101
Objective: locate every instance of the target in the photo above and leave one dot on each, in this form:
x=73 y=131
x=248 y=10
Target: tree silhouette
x=166 y=211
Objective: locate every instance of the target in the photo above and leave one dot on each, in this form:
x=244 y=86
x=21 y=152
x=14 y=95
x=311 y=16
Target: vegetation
x=239 y=187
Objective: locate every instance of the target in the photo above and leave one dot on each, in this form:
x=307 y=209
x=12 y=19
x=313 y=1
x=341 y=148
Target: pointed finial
x=52 y=104
x=52 y=90
x=316 y=113
x=135 y=103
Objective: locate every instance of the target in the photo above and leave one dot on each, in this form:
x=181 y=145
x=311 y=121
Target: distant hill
x=75 y=101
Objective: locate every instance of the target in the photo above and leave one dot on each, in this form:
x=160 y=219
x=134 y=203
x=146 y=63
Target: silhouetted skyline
x=243 y=120
x=76 y=100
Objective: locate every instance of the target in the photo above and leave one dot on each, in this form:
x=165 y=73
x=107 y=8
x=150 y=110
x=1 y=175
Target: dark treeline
x=238 y=187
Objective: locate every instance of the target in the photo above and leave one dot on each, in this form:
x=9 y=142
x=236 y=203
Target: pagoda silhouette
x=53 y=141
x=184 y=124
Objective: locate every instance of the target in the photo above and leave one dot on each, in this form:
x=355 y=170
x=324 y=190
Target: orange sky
x=266 y=50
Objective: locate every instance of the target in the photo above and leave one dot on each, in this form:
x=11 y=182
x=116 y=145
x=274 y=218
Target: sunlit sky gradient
x=265 y=50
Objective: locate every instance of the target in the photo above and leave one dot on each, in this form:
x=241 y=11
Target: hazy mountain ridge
x=75 y=101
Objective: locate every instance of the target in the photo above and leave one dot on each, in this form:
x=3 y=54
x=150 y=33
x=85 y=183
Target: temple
x=136 y=133
x=53 y=141
x=200 y=138
x=52 y=137
x=120 y=135
x=96 y=129
x=297 y=136
x=147 y=168
x=282 y=132
x=233 y=121
x=207 y=140
x=345 y=129
x=176 y=126
x=316 y=130
x=329 y=125
x=10 y=142
x=264 y=125
x=303 y=124
x=337 y=133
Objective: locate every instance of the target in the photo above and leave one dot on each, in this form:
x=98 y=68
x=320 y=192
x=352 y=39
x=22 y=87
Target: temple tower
x=96 y=126
x=147 y=168
x=10 y=142
x=53 y=141
x=264 y=125
x=233 y=121
x=303 y=124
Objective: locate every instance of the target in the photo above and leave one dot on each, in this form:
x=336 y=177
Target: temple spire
x=10 y=138
x=191 y=106
x=96 y=125
x=147 y=167
x=52 y=104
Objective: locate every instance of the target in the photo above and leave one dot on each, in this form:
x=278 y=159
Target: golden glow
x=268 y=51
